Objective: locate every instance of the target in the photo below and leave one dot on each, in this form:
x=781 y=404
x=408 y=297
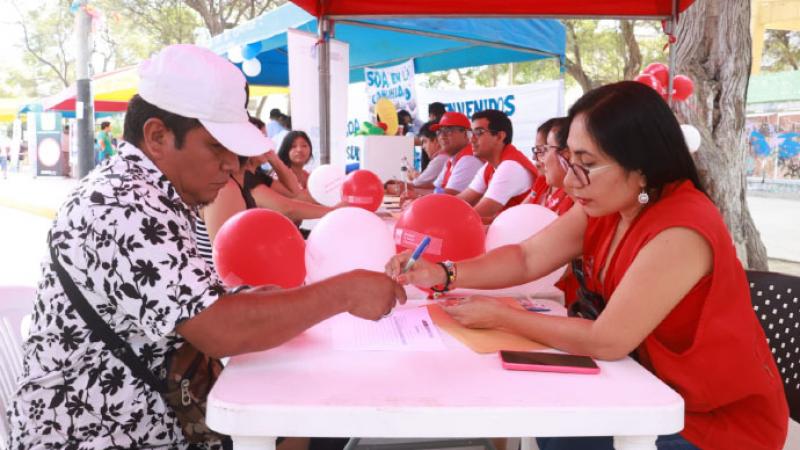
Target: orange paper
x=483 y=340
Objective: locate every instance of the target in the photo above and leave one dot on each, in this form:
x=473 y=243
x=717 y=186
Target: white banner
x=304 y=91
x=395 y=83
x=528 y=105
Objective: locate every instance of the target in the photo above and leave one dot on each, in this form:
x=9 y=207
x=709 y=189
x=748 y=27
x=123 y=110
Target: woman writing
x=661 y=265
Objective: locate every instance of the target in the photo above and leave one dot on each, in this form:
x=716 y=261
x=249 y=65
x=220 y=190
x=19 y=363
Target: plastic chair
x=16 y=305
x=776 y=301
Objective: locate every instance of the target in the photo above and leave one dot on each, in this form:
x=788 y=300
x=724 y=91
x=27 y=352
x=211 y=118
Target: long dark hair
x=286 y=146
x=634 y=126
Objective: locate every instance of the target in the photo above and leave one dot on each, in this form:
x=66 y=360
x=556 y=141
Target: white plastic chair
x=16 y=305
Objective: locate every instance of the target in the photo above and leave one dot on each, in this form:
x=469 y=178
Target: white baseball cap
x=195 y=82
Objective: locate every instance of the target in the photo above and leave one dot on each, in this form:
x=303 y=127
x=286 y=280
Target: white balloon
x=251 y=67
x=325 y=184
x=235 y=54
x=347 y=239
x=516 y=224
x=692 y=137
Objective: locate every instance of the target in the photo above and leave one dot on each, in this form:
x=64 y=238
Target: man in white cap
x=125 y=238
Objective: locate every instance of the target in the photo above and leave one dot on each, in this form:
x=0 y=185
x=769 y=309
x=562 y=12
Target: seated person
x=243 y=191
x=295 y=152
x=660 y=270
x=507 y=176
x=288 y=183
x=461 y=165
x=551 y=157
x=423 y=181
x=124 y=243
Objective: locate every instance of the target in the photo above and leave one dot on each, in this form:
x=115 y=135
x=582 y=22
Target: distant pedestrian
x=4 y=152
x=104 y=141
x=275 y=125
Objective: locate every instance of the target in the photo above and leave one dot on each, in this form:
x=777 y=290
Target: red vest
x=557 y=201
x=510 y=153
x=710 y=348
x=448 y=168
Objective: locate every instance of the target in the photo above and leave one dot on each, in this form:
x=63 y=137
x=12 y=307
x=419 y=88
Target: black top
x=249 y=201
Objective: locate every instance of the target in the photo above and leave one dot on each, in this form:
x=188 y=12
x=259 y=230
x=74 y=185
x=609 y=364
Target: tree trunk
x=714 y=50
x=574 y=65
x=630 y=49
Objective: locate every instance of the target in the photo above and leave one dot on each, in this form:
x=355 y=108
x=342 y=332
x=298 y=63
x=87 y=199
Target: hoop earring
x=643 y=197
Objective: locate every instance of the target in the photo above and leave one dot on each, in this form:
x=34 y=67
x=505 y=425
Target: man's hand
x=369 y=295
x=408 y=196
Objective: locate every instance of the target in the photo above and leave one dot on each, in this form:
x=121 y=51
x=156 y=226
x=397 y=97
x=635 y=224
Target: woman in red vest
x=548 y=190
x=660 y=269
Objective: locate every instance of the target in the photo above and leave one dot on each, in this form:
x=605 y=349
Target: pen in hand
x=417 y=253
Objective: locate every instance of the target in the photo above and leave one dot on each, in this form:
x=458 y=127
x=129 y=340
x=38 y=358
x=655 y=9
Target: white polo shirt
x=509 y=180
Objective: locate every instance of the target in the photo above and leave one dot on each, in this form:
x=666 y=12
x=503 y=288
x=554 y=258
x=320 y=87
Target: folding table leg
x=253 y=443
x=635 y=442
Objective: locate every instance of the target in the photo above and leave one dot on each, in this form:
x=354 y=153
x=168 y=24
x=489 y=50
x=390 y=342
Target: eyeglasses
x=447 y=130
x=580 y=172
x=540 y=150
x=478 y=132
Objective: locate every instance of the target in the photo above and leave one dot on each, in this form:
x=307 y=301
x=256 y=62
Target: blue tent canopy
x=435 y=44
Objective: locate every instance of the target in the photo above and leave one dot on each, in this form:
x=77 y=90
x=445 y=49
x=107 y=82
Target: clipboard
x=483 y=340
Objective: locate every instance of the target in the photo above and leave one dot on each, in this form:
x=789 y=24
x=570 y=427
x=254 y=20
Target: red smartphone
x=548 y=362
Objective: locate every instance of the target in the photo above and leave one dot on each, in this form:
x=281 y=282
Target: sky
x=8 y=28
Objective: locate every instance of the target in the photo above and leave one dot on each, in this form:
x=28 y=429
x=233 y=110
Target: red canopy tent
x=660 y=9
x=329 y=12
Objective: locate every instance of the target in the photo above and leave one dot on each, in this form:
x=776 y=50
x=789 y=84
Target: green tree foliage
x=781 y=51
x=598 y=52
x=130 y=30
x=46 y=37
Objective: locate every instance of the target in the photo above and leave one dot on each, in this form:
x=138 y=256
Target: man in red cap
x=461 y=167
x=508 y=175
x=461 y=164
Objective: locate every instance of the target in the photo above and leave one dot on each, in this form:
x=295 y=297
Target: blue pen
x=417 y=253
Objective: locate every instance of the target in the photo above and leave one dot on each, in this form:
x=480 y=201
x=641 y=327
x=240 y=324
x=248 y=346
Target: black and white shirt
x=127 y=240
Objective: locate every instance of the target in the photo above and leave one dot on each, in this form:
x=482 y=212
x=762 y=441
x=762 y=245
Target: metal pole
x=323 y=62
x=672 y=23
x=671 y=30
x=84 y=106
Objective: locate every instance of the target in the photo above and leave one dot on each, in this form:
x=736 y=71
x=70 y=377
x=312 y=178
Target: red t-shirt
x=510 y=153
x=557 y=201
x=710 y=348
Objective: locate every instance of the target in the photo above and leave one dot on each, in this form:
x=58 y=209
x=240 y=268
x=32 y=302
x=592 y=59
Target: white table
x=306 y=388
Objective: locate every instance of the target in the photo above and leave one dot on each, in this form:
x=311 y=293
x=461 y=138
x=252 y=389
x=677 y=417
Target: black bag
x=190 y=373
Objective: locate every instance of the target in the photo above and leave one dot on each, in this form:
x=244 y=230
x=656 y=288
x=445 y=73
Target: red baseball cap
x=452 y=119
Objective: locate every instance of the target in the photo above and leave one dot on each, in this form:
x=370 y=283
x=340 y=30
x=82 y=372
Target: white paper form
x=409 y=329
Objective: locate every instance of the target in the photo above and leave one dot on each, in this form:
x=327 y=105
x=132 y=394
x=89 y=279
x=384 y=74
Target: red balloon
x=683 y=87
x=456 y=230
x=363 y=189
x=660 y=72
x=649 y=80
x=259 y=247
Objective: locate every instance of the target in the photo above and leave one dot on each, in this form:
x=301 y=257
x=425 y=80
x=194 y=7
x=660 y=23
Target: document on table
x=408 y=329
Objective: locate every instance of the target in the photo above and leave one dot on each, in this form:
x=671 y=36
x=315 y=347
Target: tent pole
x=672 y=22
x=323 y=63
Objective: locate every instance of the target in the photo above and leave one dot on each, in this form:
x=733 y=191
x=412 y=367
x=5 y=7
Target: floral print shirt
x=126 y=239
